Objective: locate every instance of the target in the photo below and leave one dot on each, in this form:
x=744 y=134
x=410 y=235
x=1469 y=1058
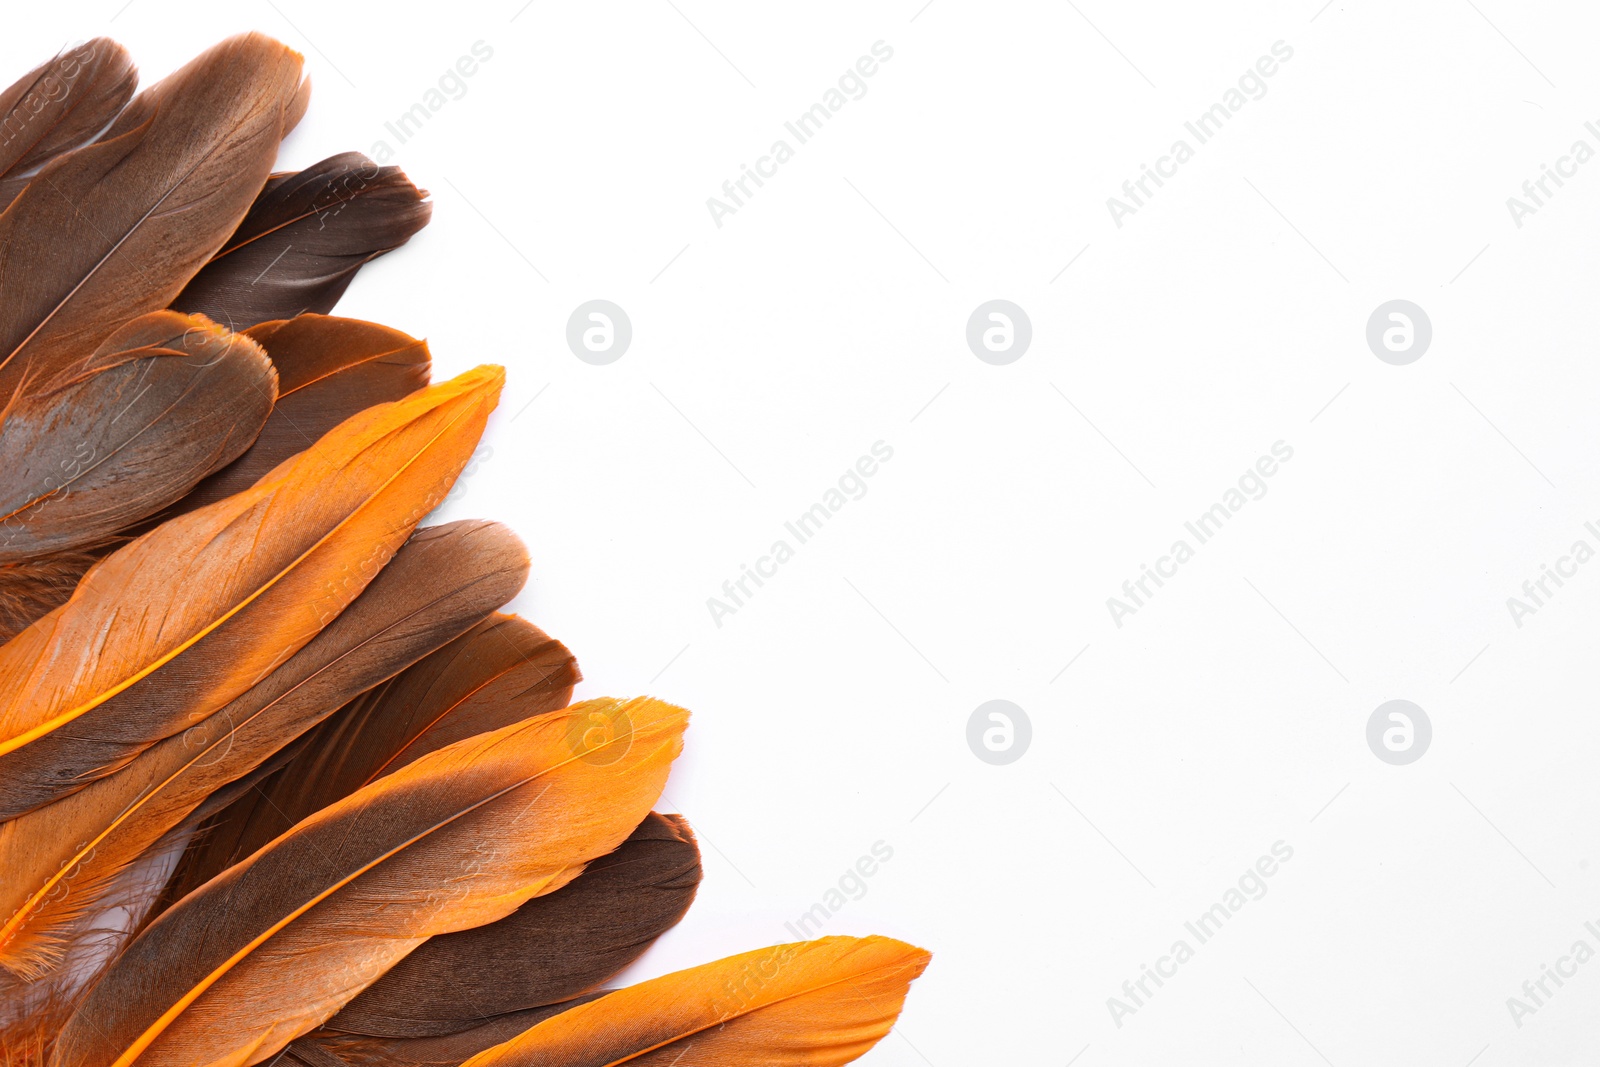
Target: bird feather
x=808 y=1004
x=304 y=239
x=501 y=671
x=165 y=401
x=328 y=370
x=59 y=105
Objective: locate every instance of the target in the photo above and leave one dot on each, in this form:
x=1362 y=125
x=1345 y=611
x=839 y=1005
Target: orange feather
x=808 y=1004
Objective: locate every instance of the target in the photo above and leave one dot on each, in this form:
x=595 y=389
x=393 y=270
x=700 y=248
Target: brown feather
x=327 y=1048
x=550 y=950
x=116 y=228
x=306 y=236
x=165 y=401
x=328 y=370
x=503 y=670
x=58 y=106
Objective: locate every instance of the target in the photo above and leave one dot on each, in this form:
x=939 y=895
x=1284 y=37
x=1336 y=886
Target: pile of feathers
x=278 y=781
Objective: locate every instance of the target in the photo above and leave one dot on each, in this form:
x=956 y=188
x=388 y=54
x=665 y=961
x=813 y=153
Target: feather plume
x=115 y=229
x=306 y=236
x=808 y=1004
x=58 y=858
x=166 y=630
x=58 y=106
x=166 y=400
x=276 y=944
x=552 y=949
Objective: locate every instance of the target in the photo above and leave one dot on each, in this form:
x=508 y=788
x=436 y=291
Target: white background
x=1229 y=313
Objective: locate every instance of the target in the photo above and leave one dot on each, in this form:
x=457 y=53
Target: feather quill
x=59 y=858
x=808 y=1004
x=173 y=626
x=115 y=229
x=275 y=945
x=165 y=401
x=58 y=106
x=552 y=949
x=306 y=236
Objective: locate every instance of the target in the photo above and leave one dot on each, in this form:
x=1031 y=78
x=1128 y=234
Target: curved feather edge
x=329 y=369
x=303 y=240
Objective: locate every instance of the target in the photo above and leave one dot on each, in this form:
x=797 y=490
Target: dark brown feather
x=328 y=369
x=550 y=950
x=503 y=670
x=305 y=238
x=330 y=1049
